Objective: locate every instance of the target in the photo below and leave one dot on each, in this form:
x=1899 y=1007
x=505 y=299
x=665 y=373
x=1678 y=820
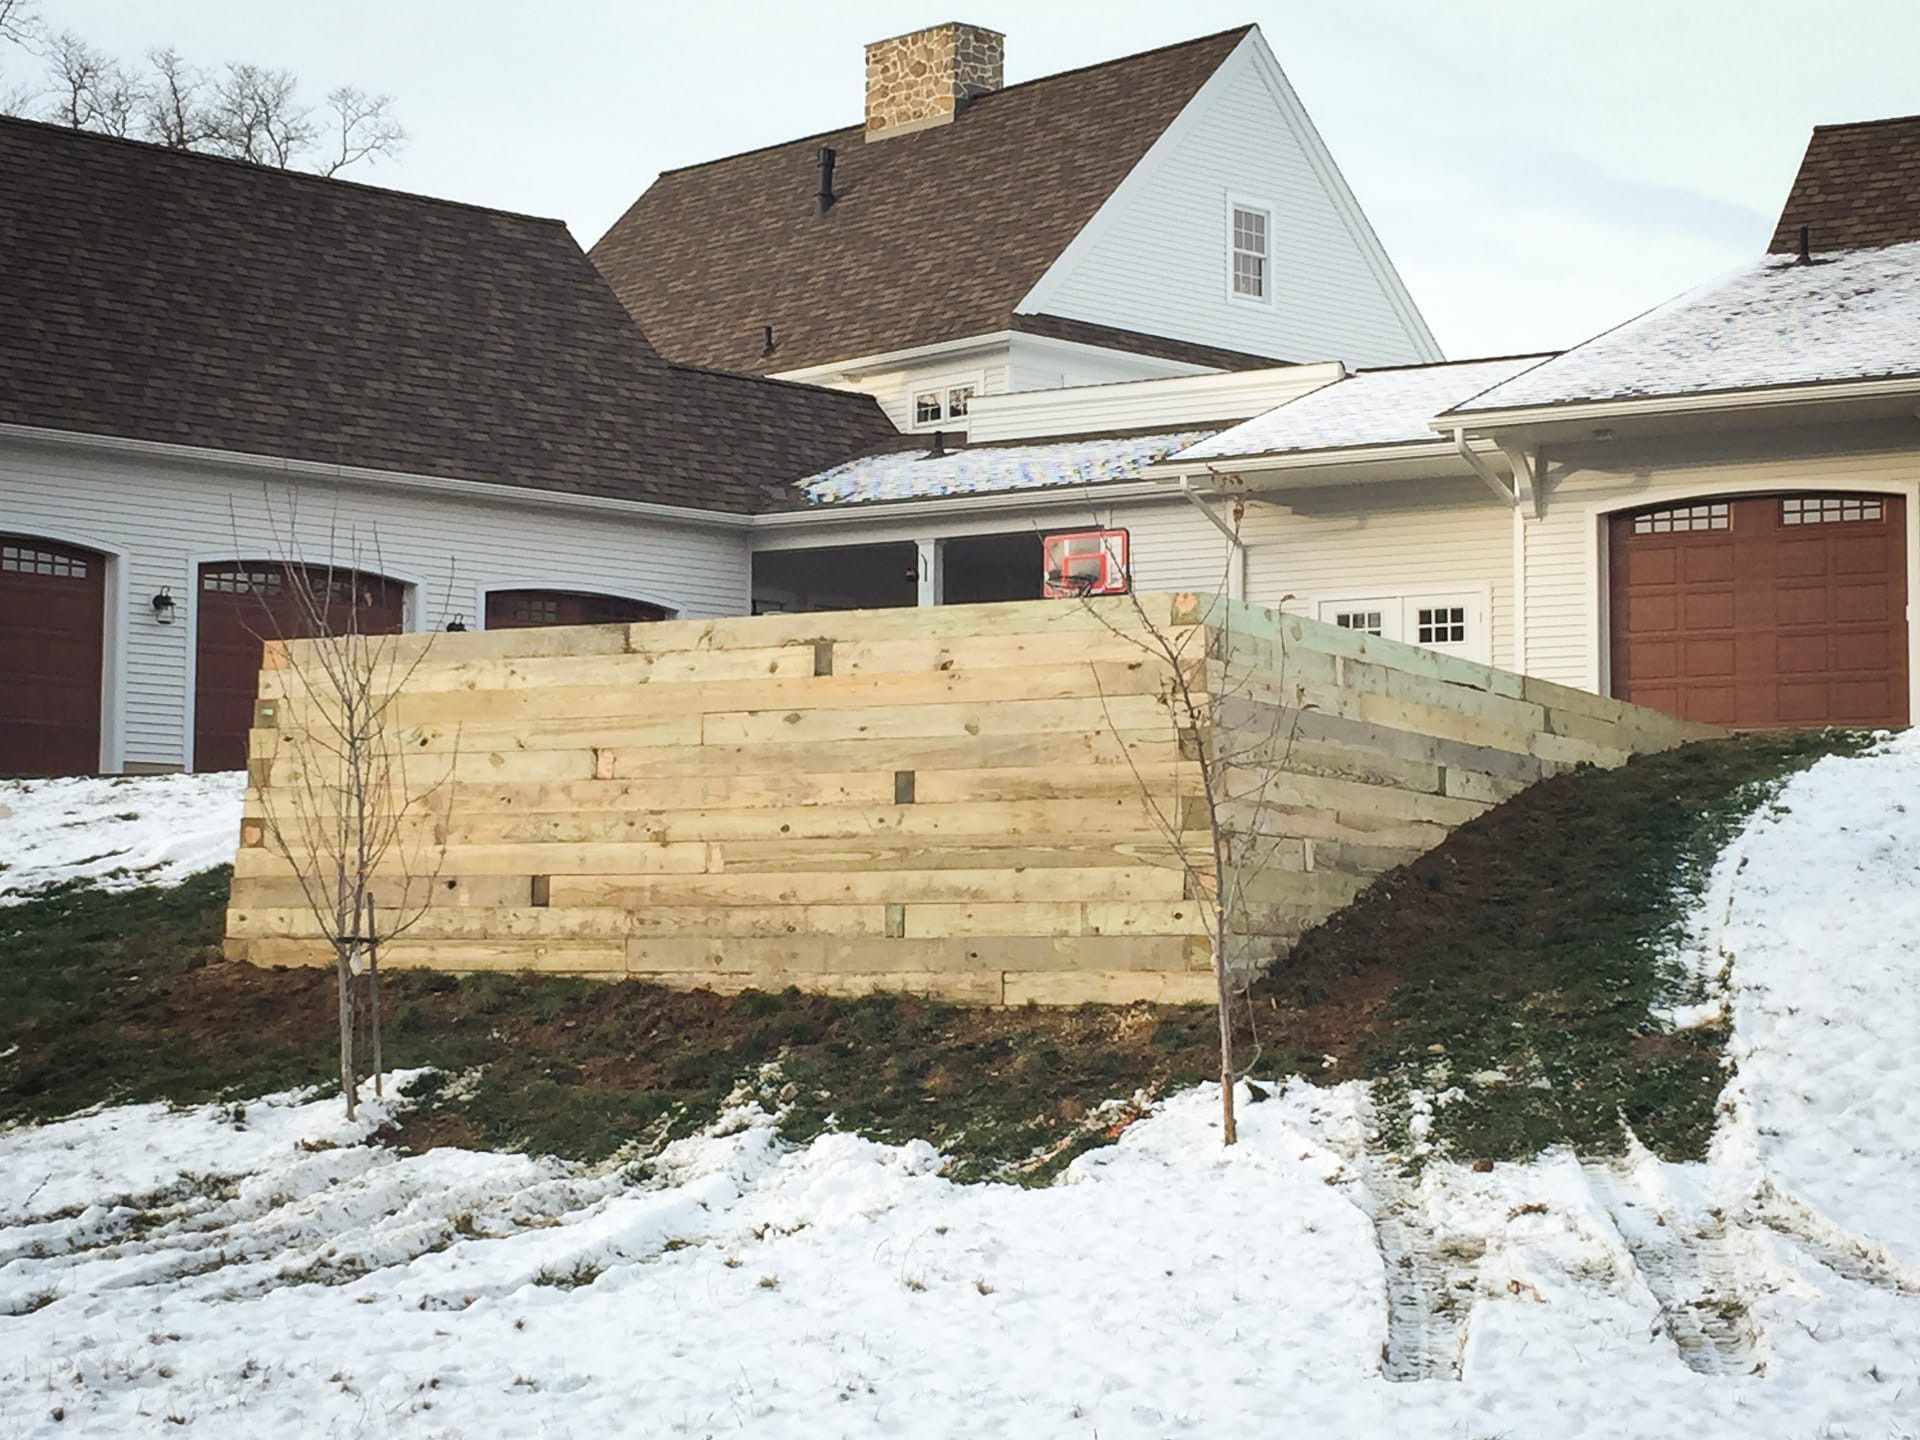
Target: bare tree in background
x=245 y=112
x=339 y=804
x=19 y=21
x=1234 y=720
x=92 y=90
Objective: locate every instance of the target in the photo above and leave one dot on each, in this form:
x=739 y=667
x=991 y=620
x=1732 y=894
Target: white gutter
x=1758 y=399
x=1052 y=496
x=396 y=479
x=1319 y=459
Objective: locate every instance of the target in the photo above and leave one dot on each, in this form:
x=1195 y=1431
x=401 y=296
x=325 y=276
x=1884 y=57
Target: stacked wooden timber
x=991 y=803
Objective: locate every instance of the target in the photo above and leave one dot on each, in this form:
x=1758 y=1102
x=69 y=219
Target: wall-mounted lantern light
x=457 y=625
x=163 y=606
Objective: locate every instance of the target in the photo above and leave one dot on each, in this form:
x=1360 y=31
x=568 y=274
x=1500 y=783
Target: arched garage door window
x=53 y=611
x=243 y=604
x=521 y=609
x=1761 y=611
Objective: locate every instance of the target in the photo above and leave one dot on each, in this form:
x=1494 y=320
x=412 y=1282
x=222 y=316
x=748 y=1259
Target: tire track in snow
x=1848 y=1255
x=1430 y=1282
x=1691 y=1271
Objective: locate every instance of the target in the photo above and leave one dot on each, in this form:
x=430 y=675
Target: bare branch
x=364 y=128
x=174 y=110
x=91 y=89
x=255 y=116
x=19 y=22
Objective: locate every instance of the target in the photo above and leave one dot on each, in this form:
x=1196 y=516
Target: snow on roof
x=1851 y=315
x=1370 y=407
x=917 y=474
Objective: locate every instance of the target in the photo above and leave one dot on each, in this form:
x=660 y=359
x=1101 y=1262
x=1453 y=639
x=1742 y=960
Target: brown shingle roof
x=1858 y=187
x=156 y=295
x=935 y=235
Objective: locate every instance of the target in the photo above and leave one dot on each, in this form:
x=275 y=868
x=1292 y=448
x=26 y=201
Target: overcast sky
x=1538 y=170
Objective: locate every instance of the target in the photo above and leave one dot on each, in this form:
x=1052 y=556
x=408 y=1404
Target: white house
x=1169 y=213
x=222 y=386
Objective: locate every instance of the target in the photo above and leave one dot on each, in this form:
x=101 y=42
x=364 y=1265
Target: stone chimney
x=926 y=78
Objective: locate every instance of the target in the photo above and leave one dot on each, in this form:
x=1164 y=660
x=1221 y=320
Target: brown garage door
x=520 y=609
x=53 y=611
x=1775 y=610
x=243 y=604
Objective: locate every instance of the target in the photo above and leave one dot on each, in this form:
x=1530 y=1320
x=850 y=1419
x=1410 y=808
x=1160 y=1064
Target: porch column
x=932 y=571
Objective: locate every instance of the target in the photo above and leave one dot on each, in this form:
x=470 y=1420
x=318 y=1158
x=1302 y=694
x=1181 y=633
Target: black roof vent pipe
x=823 y=200
x=939 y=445
x=1806 y=245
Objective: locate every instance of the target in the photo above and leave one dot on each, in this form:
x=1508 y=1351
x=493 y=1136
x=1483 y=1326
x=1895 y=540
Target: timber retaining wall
x=991 y=803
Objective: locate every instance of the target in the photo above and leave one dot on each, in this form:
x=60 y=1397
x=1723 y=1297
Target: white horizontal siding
x=1125 y=402
x=1155 y=257
x=165 y=516
x=1036 y=362
x=1426 y=537
x=1565 y=573
x=894 y=390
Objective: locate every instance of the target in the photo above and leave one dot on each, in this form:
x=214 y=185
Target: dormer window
x=1251 y=249
x=944 y=403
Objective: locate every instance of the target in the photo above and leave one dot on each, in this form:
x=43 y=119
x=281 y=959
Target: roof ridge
x=1868 y=124
x=860 y=128
x=192 y=157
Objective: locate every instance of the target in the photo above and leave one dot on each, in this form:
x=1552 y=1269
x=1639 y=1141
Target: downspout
x=1236 y=548
x=1478 y=462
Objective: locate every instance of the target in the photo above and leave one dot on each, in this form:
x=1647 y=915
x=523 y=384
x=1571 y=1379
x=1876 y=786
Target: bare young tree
x=1234 y=716
x=246 y=112
x=365 y=842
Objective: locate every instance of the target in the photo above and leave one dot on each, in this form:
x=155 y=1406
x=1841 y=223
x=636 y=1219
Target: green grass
x=122 y=997
x=1534 y=943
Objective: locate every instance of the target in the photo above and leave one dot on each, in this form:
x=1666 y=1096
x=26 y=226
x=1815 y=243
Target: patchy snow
x=270 y=1273
x=1369 y=407
x=118 y=832
x=917 y=474
x=1852 y=315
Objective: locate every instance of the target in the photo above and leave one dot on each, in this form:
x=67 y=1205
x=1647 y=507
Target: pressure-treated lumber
x=994 y=804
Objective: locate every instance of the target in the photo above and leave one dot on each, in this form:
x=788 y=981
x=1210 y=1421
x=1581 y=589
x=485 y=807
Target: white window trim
x=1400 y=620
x=1266 y=208
x=943 y=383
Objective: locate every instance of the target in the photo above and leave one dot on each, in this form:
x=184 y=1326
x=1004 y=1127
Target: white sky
x=1537 y=169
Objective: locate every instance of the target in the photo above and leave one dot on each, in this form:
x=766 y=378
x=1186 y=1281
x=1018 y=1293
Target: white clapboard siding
x=1566 y=576
x=1155 y=257
x=161 y=517
x=894 y=389
x=1410 y=538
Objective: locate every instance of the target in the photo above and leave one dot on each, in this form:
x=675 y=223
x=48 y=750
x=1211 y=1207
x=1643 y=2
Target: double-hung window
x=1250 y=250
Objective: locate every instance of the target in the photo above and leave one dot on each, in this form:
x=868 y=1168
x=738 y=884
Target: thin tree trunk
x=344 y=964
x=1229 y=1130
x=373 y=1001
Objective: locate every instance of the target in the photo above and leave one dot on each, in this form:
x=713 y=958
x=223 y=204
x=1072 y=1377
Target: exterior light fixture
x=457 y=625
x=163 y=606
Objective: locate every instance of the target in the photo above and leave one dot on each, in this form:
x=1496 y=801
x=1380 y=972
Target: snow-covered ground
x=269 y=1273
x=118 y=832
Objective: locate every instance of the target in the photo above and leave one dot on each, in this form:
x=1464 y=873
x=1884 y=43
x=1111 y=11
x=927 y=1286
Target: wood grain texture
x=995 y=804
